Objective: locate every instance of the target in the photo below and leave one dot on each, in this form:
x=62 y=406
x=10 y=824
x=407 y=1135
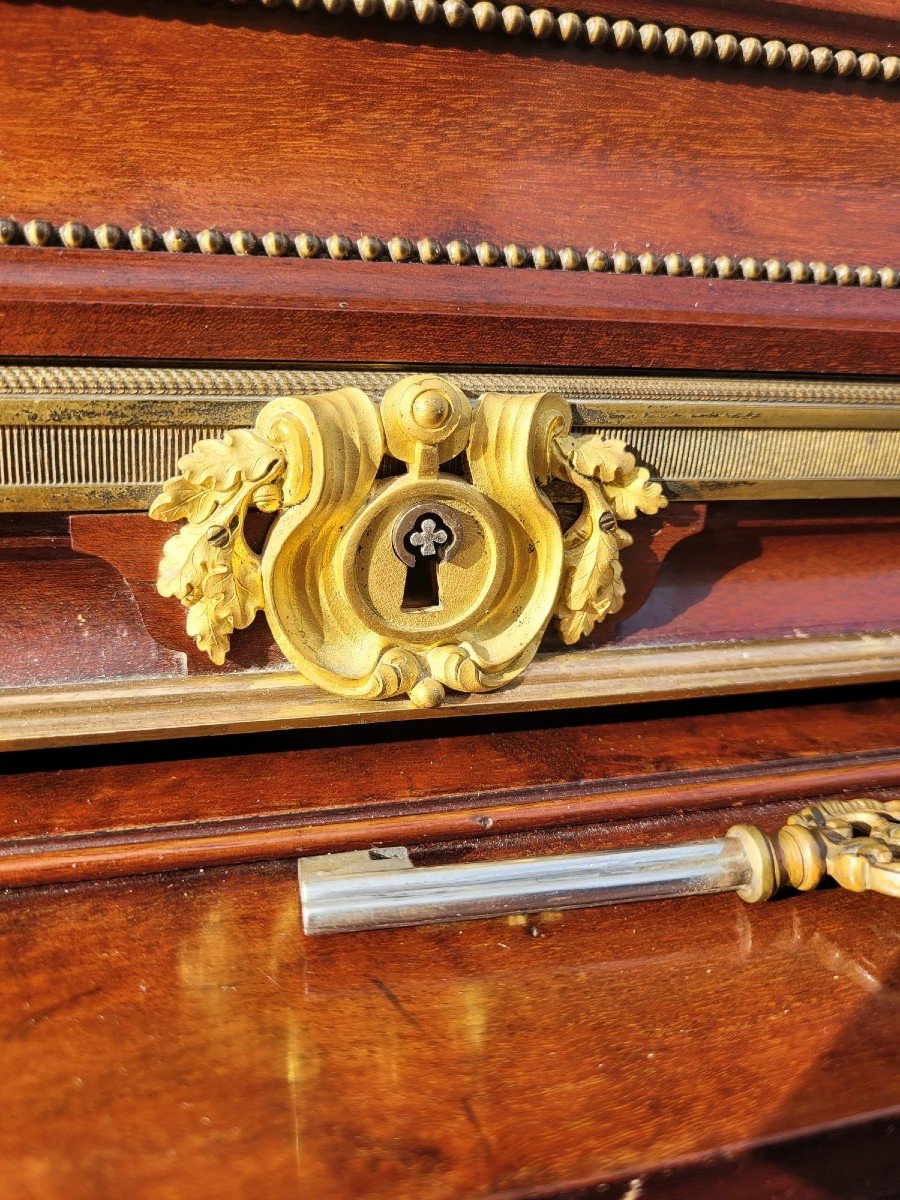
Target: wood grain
x=364 y=127
x=175 y=1035
x=84 y=303
x=170 y=1038
x=82 y=621
x=110 y=812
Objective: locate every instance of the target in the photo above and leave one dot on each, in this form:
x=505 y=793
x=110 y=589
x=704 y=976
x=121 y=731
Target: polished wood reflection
x=179 y=1037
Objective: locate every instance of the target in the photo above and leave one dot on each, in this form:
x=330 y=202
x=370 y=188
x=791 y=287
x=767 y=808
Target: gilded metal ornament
x=854 y=842
x=377 y=586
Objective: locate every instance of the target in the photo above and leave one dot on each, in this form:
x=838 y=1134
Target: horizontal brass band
x=209 y=396
x=104 y=438
x=429 y=251
x=254 y=701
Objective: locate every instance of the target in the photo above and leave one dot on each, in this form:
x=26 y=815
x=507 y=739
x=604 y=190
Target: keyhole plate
x=413 y=520
x=378 y=559
x=424 y=538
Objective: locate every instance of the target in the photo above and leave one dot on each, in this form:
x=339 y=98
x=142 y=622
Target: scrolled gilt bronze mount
x=379 y=585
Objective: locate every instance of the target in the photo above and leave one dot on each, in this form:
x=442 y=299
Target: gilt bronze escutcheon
x=380 y=584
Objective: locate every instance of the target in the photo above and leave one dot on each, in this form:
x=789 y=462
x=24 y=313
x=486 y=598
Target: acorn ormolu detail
x=457 y=252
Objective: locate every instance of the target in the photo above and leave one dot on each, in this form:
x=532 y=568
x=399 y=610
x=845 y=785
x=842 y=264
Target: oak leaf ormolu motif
x=614 y=488
x=208 y=564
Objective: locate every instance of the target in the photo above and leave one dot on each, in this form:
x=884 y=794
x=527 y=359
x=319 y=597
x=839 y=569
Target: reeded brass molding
x=854 y=842
x=338 y=247
x=413 y=584
x=96 y=394
x=601 y=33
x=105 y=438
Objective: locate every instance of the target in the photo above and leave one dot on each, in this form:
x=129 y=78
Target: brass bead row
x=644 y=38
x=457 y=252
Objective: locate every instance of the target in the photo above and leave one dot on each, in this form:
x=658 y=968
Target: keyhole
x=426 y=544
x=421 y=587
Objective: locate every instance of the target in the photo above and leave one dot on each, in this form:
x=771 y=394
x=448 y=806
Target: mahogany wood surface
x=374 y=127
x=107 y=811
x=74 y=304
x=174 y=1038
x=197 y=115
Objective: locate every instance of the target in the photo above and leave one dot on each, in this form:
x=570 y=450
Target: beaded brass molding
x=601 y=33
x=75 y=235
x=412 y=584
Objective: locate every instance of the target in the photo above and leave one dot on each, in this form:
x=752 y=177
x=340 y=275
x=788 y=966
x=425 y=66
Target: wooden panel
x=182 y=1037
x=362 y=128
x=82 y=622
x=77 y=304
x=525 y=141
x=106 y=812
x=768 y=558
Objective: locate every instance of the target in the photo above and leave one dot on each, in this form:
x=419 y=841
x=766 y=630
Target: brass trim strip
x=255 y=701
x=208 y=395
x=105 y=438
x=598 y=32
x=75 y=235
